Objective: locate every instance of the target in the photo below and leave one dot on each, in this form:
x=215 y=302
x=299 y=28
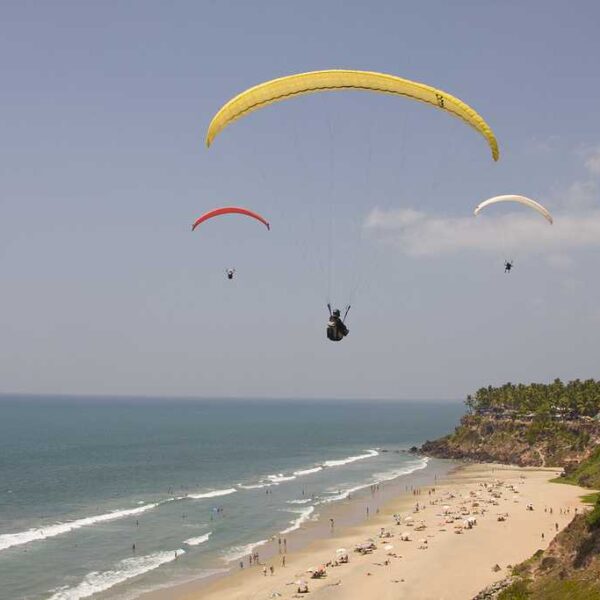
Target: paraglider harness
x=508 y=265
x=336 y=328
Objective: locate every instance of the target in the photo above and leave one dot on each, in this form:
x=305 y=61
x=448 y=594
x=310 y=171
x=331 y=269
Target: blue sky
x=103 y=112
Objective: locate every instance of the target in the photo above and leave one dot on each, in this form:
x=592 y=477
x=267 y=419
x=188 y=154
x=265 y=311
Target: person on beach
x=265 y=570
x=336 y=329
x=272 y=569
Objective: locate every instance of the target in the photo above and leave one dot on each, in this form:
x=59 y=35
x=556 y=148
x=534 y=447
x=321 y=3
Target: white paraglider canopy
x=521 y=200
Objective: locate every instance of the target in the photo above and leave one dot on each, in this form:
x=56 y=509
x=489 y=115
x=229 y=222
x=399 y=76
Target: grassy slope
x=587 y=474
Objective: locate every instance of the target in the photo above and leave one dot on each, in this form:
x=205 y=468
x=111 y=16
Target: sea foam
x=254 y=486
x=96 y=581
x=304 y=513
x=195 y=541
x=307 y=471
x=280 y=477
x=8 y=540
x=237 y=552
x=213 y=494
x=350 y=459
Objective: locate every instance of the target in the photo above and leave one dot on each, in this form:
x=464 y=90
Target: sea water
x=194 y=484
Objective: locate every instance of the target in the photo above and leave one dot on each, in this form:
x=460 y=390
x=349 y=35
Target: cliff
x=538 y=442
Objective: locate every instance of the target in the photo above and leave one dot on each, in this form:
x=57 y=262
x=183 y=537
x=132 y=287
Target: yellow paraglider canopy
x=275 y=90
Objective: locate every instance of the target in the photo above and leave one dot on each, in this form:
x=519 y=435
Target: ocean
x=109 y=498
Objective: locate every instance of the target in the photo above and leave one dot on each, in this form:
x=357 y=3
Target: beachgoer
x=285 y=545
x=265 y=570
x=272 y=569
x=241 y=564
x=283 y=561
x=133 y=548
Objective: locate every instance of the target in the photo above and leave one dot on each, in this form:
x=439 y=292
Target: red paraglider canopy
x=225 y=210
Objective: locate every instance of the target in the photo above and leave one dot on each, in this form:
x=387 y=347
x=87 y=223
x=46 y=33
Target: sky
x=105 y=290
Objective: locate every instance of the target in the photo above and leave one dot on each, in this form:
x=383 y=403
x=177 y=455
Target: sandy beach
x=513 y=511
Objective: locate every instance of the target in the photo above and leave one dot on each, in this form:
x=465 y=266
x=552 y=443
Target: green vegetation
x=593 y=518
x=568 y=589
x=516 y=591
x=523 y=568
x=543 y=402
x=587 y=474
x=590 y=498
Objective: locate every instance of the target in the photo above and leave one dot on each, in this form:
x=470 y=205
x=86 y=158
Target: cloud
x=543 y=145
x=581 y=195
x=420 y=234
x=592 y=162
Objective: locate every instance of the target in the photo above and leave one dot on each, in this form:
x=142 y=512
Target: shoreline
x=498 y=542
x=432 y=564
x=347 y=513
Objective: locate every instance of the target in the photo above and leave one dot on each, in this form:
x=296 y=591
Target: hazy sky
x=104 y=289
